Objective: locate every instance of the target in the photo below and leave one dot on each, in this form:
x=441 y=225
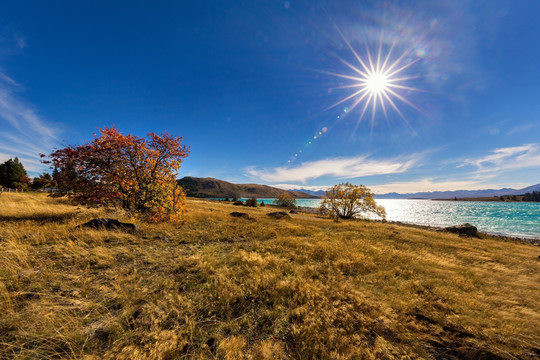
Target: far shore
x=506 y=198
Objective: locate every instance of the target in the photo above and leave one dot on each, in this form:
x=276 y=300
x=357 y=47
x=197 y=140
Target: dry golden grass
x=229 y=288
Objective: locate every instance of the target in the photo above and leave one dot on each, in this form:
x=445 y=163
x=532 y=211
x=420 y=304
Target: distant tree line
x=532 y=196
x=13 y=175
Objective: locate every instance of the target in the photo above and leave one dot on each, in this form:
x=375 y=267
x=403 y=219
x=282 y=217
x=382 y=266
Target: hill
x=214 y=188
x=220 y=287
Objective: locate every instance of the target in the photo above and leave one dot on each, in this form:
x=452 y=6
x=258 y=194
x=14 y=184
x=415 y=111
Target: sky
x=402 y=96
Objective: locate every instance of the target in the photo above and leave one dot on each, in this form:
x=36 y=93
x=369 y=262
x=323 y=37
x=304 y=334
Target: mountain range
x=214 y=188
x=445 y=194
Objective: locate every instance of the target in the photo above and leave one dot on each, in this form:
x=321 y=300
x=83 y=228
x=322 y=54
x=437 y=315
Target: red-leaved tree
x=137 y=173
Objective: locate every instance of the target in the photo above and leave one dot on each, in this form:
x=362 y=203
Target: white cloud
x=24 y=134
x=341 y=168
x=429 y=184
x=305 y=187
x=509 y=158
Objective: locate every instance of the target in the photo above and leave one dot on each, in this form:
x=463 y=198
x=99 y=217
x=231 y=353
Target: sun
x=376 y=83
x=379 y=82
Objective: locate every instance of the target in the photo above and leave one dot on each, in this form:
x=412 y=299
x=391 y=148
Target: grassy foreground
x=224 y=287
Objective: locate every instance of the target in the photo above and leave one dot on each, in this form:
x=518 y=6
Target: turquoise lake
x=502 y=218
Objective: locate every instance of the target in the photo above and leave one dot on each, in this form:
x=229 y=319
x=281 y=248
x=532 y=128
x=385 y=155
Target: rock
x=103 y=330
x=241 y=215
x=161 y=237
x=109 y=224
x=293 y=211
x=463 y=229
x=279 y=215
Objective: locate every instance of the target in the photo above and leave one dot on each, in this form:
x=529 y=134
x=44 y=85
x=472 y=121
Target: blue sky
x=253 y=87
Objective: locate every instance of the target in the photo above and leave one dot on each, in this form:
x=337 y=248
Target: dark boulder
x=279 y=215
x=109 y=224
x=241 y=215
x=463 y=229
x=293 y=211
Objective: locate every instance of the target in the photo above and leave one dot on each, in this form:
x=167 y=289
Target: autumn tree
x=23 y=183
x=138 y=173
x=346 y=201
x=285 y=199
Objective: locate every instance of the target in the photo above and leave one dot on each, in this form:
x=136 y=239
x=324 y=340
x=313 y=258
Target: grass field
x=220 y=287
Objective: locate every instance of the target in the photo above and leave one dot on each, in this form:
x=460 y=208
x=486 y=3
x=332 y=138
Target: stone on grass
x=463 y=229
x=241 y=215
x=279 y=215
x=109 y=224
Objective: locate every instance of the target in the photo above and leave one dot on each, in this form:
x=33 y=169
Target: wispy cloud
x=487 y=169
x=20 y=40
x=431 y=184
x=340 y=168
x=24 y=133
x=508 y=158
x=305 y=187
x=522 y=128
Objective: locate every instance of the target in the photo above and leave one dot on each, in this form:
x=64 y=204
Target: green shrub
x=252 y=202
x=285 y=199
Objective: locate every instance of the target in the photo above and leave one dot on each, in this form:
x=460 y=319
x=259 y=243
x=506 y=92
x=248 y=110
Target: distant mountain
x=214 y=188
x=317 y=193
x=459 y=193
x=531 y=188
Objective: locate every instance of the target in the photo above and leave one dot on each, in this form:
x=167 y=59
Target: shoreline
x=504 y=237
x=524 y=239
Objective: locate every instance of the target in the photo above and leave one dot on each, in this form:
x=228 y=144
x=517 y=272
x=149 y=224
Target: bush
x=252 y=202
x=138 y=173
x=262 y=203
x=347 y=201
x=238 y=202
x=285 y=199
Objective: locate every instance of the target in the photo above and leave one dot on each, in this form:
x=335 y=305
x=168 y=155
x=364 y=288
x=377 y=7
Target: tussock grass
x=223 y=287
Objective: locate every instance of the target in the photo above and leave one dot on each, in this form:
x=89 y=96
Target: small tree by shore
x=346 y=201
x=251 y=202
x=286 y=200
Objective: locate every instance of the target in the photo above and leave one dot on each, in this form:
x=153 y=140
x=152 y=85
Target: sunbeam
x=377 y=81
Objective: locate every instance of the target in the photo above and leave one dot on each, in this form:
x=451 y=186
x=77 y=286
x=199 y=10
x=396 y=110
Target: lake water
x=504 y=218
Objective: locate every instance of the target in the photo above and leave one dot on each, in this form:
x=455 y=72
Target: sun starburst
x=377 y=83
